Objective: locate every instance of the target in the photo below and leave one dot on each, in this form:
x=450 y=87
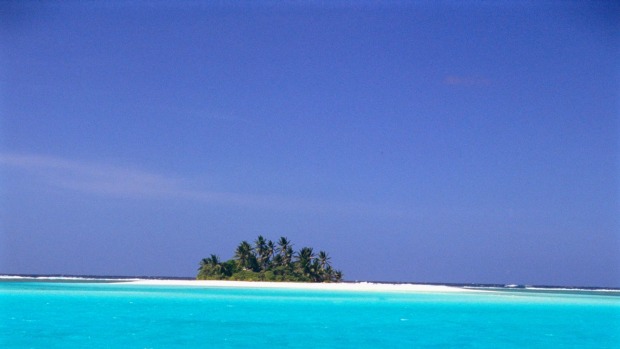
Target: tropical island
x=269 y=261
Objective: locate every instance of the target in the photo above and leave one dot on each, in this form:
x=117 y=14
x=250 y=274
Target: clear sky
x=414 y=141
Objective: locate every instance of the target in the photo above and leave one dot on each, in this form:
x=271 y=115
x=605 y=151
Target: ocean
x=61 y=314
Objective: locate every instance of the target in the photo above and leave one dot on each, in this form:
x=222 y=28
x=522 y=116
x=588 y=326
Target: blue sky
x=414 y=141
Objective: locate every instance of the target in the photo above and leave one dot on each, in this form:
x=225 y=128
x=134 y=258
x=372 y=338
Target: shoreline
x=343 y=286
x=335 y=286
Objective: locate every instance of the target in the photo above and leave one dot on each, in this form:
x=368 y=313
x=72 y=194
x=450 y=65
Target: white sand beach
x=345 y=286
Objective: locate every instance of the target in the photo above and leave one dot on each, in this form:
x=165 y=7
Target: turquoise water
x=117 y=315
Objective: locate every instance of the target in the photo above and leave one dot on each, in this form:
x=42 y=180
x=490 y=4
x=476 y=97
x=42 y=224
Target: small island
x=266 y=261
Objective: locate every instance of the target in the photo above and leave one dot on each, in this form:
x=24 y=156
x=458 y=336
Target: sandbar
x=340 y=286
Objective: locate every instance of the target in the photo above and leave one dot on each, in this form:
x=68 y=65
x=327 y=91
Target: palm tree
x=285 y=249
x=283 y=245
x=324 y=259
x=269 y=251
x=288 y=256
x=304 y=260
x=243 y=255
x=214 y=260
x=203 y=264
x=328 y=274
x=337 y=276
x=277 y=261
x=315 y=271
x=260 y=246
x=306 y=254
x=210 y=267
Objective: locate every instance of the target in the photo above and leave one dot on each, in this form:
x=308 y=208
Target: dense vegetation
x=266 y=261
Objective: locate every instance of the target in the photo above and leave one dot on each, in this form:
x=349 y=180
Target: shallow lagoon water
x=124 y=315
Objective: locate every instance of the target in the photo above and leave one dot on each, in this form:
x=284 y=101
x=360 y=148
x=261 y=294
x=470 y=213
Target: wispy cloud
x=455 y=80
x=131 y=183
x=92 y=178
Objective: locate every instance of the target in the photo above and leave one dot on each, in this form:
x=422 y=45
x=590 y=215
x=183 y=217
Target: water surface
x=123 y=315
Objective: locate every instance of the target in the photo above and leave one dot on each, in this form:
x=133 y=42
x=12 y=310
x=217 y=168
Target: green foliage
x=266 y=261
x=246 y=275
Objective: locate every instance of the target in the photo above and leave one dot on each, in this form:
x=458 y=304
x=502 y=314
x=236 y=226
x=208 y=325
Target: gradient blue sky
x=414 y=141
